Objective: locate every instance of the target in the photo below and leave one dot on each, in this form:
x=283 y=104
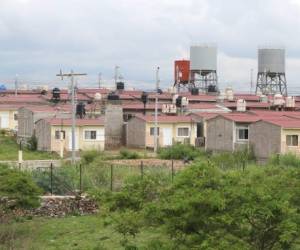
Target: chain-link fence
x=69 y=180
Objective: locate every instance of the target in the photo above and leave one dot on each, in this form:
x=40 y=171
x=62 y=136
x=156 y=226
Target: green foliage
x=229 y=160
x=32 y=143
x=9 y=151
x=180 y=152
x=290 y=160
x=128 y=154
x=137 y=192
x=213 y=209
x=90 y=156
x=18 y=188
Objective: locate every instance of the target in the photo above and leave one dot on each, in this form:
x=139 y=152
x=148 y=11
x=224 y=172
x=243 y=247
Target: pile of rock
x=59 y=206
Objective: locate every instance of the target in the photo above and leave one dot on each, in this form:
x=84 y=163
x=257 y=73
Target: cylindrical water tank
x=182 y=71
x=271 y=60
x=203 y=58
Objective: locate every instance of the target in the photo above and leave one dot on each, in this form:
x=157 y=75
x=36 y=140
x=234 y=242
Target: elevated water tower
x=181 y=74
x=271 y=71
x=203 y=68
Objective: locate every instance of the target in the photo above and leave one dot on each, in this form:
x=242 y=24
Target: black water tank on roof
x=144 y=97
x=195 y=91
x=120 y=86
x=56 y=93
x=80 y=110
x=212 y=89
x=179 y=101
x=113 y=97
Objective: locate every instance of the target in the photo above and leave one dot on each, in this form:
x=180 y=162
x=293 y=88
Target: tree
x=253 y=209
x=17 y=189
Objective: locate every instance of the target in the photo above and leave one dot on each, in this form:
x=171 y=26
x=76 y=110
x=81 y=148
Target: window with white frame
x=90 y=134
x=183 y=132
x=59 y=134
x=152 y=130
x=292 y=140
x=242 y=133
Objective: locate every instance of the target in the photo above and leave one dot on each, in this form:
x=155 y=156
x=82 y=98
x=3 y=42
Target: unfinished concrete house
x=229 y=132
x=27 y=116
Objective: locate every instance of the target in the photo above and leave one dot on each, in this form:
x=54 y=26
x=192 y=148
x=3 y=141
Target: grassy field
x=9 y=151
x=86 y=232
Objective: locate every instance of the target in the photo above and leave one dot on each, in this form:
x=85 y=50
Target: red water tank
x=181 y=71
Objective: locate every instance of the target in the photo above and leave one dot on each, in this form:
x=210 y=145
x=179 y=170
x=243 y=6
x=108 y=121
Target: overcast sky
x=38 y=37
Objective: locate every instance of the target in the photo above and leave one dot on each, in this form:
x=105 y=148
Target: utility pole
x=99 y=79
x=251 y=80
x=16 y=85
x=156 y=111
x=72 y=75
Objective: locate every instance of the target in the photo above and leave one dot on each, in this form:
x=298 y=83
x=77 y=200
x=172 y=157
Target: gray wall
x=136 y=133
x=113 y=126
x=219 y=134
x=265 y=139
x=43 y=134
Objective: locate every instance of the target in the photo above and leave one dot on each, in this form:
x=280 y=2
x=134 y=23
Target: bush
x=32 y=143
x=180 y=152
x=290 y=160
x=19 y=188
x=127 y=154
x=89 y=156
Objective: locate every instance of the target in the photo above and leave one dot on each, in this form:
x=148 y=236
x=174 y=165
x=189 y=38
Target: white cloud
x=39 y=37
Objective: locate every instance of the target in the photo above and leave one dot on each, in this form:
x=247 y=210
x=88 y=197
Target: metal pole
x=73 y=117
x=142 y=169
x=156 y=111
x=80 y=178
x=111 y=177
x=99 y=80
x=51 y=178
x=172 y=169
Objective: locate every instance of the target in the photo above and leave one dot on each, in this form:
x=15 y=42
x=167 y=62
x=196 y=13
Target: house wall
x=113 y=126
x=7 y=120
x=265 y=138
x=219 y=134
x=25 y=123
x=290 y=149
x=82 y=143
x=175 y=138
x=136 y=133
x=43 y=135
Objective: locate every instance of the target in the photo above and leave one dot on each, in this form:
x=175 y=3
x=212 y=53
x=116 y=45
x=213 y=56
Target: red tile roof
x=21 y=99
x=205 y=115
x=239 y=117
x=79 y=122
x=166 y=118
x=284 y=122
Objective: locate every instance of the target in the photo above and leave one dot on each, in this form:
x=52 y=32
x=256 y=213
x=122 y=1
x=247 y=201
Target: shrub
x=127 y=154
x=89 y=156
x=290 y=160
x=180 y=152
x=32 y=143
x=19 y=188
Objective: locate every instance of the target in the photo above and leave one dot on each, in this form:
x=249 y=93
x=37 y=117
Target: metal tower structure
x=271 y=77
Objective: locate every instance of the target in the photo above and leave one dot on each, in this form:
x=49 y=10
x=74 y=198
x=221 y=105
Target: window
x=15 y=116
x=183 y=132
x=152 y=130
x=242 y=133
x=292 y=140
x=90 y=135
x=58 y=133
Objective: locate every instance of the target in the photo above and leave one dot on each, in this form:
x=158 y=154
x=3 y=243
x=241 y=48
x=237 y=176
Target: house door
x=167 y=136
x=70 y=141
x=4 y=118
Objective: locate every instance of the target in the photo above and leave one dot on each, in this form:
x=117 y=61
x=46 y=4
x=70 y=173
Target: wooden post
x=51 y=178
x=172 y=169
x=111 y=177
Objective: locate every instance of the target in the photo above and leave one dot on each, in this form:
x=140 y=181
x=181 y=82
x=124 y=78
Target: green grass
x=85 y=232
x=9 y=151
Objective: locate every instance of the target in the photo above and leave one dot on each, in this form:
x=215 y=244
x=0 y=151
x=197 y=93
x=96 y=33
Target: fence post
x=172 y=169
x=142 y=169
x=80 y=178
x=111 y=177
x=51 y=178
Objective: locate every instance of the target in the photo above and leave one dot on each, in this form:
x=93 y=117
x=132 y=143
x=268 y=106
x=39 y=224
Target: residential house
x=171 y=129
x=229 y=132
x=55 y=134
x=275 y=135
x=9 y=117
